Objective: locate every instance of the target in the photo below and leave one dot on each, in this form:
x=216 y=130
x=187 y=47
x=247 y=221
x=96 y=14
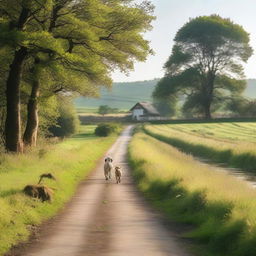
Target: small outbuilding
x=144 y=111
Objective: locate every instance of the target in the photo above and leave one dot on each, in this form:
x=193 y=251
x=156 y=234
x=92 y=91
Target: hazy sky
x=173 y=14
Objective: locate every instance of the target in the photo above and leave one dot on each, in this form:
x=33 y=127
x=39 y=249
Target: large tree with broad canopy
x=206 y=64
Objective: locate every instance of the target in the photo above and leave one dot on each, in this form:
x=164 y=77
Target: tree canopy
x=206 y=64
x=66 y=46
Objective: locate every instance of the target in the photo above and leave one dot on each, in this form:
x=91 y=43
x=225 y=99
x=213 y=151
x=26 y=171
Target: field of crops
x=233 y=144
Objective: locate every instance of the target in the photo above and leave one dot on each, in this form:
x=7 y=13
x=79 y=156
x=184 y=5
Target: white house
x=144 y=111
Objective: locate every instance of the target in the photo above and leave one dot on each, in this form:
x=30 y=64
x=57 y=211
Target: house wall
x=136 y=113
x=150 y=118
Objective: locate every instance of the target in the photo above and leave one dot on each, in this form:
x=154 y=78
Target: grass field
x=233 y=144
x=70 y=161
x=85 y=110
x=227 y=132
x=220 y=208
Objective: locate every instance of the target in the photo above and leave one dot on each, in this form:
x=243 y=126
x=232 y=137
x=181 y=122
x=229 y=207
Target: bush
x=67 y=123
x=105 y=109
x=104 y=130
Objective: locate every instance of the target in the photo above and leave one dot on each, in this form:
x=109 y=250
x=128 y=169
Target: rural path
x=108 y=219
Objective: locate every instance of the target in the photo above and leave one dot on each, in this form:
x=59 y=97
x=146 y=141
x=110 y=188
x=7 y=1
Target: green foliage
x=67 y=122
x=167 y=106
x=48 y=114
x=251 y=108
x=237 y=106
x=104 y=130
x=105 y=35
x=207 y=55
x=105 y=109
x=241 y=107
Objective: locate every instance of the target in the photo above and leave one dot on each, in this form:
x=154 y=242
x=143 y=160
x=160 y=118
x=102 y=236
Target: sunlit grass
x=221 y=207
x=202 y=140
x=70 y=161
x=242 y=132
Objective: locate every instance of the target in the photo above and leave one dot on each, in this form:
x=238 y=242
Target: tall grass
x=69 y=161
x=233 y=153
x=220 y=208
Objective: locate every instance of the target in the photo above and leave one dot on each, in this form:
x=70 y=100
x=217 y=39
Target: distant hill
x=121 y=96
x=250 y=91
x=125 y=95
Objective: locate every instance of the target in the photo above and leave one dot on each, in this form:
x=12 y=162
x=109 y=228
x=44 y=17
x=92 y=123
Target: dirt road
x=107 y=219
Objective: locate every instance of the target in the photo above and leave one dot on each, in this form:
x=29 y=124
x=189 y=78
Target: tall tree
x=99 y=36
x=206 y=61
x=88 y=37
x=17 y=17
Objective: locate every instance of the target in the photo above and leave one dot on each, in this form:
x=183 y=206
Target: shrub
x=67 y=123
x=104 y=130
x=105 y=109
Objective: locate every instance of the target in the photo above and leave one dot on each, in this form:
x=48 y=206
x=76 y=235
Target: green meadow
x=229 y=143
x=218 y=209
x=69 y=161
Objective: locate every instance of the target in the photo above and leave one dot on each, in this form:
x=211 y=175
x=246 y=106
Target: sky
x=171 y=15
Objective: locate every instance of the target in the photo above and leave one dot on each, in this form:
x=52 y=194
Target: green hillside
x=124 y=95
x=251 y=88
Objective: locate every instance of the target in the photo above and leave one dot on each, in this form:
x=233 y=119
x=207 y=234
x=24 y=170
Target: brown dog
x=118 y=174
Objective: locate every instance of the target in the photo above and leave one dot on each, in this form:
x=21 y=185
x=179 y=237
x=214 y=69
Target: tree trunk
x=30 y=134
x=13 y=142
x=209 y=95
x=207 y=112
x=207 y=107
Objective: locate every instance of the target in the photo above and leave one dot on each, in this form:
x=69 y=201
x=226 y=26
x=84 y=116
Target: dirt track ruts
x=104 y=218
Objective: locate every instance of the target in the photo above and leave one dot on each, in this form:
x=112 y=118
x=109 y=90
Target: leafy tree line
x=50 y=48
x=205 y=67
x=105 y=109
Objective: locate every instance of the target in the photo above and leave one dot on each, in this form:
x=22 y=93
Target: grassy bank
x=220 y=208
x=69 y=161
x=229 y=145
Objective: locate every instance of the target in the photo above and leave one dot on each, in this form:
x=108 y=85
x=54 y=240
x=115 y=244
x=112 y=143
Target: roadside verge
x=217 y=206
x=69 y=161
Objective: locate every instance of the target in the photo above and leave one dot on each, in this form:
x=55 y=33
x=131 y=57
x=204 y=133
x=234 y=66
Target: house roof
x=147 y=106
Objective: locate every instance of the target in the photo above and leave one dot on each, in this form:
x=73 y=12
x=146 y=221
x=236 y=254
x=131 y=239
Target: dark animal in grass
x=118 y=174
x=46 y=175
x=41 y=192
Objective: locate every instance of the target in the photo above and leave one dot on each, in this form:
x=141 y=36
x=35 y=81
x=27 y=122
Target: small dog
x=118 y=174
x=108 y=166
